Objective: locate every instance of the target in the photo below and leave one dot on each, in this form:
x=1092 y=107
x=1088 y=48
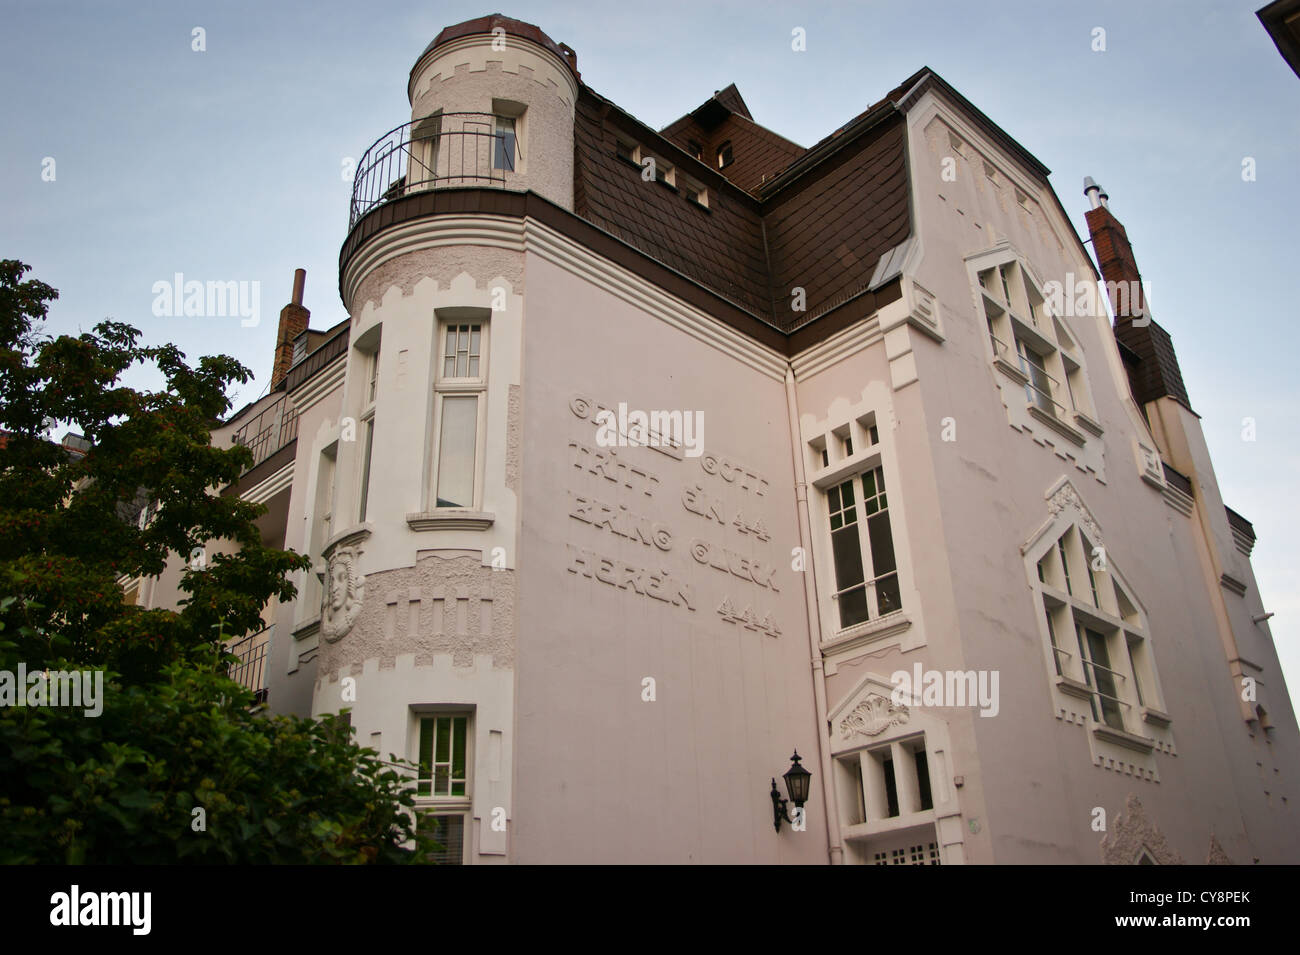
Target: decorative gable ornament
x=873 y=716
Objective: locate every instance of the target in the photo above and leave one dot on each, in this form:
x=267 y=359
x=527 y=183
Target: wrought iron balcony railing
x=445 y=149
x=269 y=430
x=250 y=671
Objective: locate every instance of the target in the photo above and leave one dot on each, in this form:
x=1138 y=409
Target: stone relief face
x=338 y=585
x=343 y=597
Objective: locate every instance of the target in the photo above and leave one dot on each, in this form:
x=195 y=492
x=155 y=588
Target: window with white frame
x=322 y=520
x=859 y=523
x=507 y=135
x=443 y=786
x=366 y=421
x=889 y=782
x=1098 y=635
x=460 y=397
x=1035 y=345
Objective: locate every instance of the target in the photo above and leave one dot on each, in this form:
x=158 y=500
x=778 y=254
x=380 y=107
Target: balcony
x=250 y=671
x=270 y=430
x=439 y=151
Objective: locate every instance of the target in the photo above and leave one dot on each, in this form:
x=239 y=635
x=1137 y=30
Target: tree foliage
x=176 y=734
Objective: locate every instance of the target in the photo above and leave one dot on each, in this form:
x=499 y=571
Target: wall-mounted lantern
x=797 y=783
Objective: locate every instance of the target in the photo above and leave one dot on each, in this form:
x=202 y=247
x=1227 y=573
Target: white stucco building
x=920 y=451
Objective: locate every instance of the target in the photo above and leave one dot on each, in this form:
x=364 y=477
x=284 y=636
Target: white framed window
x=862 y=548
x=1098 y=635
x=1034 y=347
x=322 y=522
x=426 y=137
x=459 y=412
x=443 y=784
x=507 y=135
x=369 y=387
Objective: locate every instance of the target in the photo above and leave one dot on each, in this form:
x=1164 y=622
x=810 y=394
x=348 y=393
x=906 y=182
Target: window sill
x=1139 y=744
x=1074 y=688
x=1088 y=423
x=876 y=827
x=868 y=632
x=1056 y=424
x=1011 y=371
x=1156 y=717
x=450 y=519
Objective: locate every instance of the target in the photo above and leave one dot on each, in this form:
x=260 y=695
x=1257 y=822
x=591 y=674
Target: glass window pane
x=458 y=748
x=443 y=752
x=365 y=467
x=449 y=833
x=848 y=557
x=459 y=432
x=426 y=755
x=882 y=545
x=853 y=607
x=888 y=598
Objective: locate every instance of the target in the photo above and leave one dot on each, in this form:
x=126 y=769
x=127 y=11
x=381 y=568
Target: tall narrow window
x=503 y=151
x=367 y=449
x=369 y=392
x=1102 y=679
x=923 y=779
x=883 y=565
x=1065 y=565
x=442 y=786
x=847 y=550
x=862 y=543
x=460 y=389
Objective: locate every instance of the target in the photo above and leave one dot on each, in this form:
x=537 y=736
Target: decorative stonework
x=1217 y=856
x=514 y=422
x=1131 y=834
x=449 y=603
x=1066 y=496
x=345 y=589
x=873 y=716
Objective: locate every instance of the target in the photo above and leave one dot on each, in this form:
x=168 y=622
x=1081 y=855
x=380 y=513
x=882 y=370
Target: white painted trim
x=269 y=487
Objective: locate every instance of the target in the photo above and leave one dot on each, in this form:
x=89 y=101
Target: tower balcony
x=439 y=151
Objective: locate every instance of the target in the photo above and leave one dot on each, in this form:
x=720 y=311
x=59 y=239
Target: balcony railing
x=250 y=671
x=1041 y=389
x=446 y=149
x=269 y=431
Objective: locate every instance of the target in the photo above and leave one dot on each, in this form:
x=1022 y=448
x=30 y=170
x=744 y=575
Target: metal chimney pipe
x=1091 y=190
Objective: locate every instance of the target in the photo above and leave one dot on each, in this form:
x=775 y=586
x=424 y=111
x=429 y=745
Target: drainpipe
x=835 y=849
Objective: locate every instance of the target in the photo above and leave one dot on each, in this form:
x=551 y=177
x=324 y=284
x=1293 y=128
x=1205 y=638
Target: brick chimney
x=1147 y=349
x=293 y=322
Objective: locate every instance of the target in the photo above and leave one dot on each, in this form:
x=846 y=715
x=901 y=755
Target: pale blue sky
x=226 y=164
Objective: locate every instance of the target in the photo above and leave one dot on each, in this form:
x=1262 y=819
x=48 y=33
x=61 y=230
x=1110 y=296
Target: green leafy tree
x=176 y=734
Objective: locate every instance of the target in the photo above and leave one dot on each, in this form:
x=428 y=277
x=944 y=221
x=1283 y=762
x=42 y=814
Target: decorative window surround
x=1040 y=374
x=867 y=726
x=853 y=440
x=1096 y=640
x=450 y=519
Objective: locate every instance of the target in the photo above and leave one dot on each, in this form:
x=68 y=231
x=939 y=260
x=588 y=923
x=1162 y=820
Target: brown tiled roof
x=824 y=232
x=513 y=27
